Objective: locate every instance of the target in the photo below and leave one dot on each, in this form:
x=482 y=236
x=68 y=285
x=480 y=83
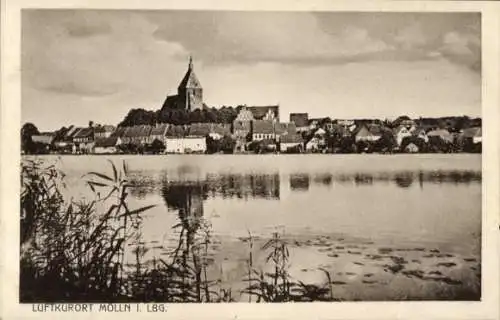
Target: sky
x=95 y=65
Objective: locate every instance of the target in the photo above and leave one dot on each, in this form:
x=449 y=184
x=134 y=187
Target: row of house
x=373 y=132
x=251 y=125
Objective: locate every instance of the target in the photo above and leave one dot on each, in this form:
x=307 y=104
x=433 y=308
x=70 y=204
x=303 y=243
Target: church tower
x=190 y=92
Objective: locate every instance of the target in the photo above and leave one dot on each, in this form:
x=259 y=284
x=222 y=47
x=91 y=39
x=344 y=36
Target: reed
x=75 y=250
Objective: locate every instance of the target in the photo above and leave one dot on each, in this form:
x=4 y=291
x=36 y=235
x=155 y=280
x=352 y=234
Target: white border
x=10 y=119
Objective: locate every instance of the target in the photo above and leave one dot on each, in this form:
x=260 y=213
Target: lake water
x=364 y=202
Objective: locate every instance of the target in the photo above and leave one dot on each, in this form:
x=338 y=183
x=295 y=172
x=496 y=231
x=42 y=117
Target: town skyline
x=97 y=65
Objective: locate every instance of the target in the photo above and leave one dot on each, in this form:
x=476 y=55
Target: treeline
x=179 y=116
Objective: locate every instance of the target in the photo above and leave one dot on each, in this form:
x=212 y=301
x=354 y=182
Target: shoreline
x=250 y=154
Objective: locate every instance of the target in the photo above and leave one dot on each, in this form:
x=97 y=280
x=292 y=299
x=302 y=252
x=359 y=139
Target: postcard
x=250 y=160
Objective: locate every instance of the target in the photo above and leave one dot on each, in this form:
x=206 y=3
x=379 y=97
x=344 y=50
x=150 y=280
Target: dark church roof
x=190 y=80
x=171 y=102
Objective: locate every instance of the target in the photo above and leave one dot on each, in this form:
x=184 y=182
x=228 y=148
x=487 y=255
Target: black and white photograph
x=230 y=156
x=234 y=156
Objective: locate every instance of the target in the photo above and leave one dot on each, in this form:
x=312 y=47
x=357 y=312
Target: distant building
x=301 y=121
x=43 y=138
x=474 y=135
x=183 y=139
x=219 y=130
x=84 y=139
x=400 y=133
x=242 y=126
x=106 y=145
x=291 y=142
x=443 y=134
x=103 y=131
x=368 y=133
x=282 y=129
x=138 y=135
x=189 y=93
x=158 y=132
x=269 y=113
x=315 y=144
x=411 y=148
x=262 y=130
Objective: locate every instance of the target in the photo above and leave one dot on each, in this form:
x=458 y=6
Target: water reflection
x=267 y=186
x=185 y=197
x=404 y=179
x=299 y=182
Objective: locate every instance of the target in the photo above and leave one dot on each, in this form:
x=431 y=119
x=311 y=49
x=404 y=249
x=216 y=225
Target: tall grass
x=70 y=251
x=278 y=285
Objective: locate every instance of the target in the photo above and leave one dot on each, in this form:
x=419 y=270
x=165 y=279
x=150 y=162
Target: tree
x=227 y=144
x=157 y=146
x=386 y=143
x=139 y=117
x=28 y=130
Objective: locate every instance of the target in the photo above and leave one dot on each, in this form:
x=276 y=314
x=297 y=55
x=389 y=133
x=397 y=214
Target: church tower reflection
x=188 y=199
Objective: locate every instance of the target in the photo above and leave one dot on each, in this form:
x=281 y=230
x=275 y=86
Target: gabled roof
x=300 y=119
x=262 y=127
x=439 y=132
x=84 y=133
x=105 y=128
x=176 y=131
x=369 y=130
x=119 y=132
x=244 y=115
x=72 y=132
x=44 y=137
x=285 y=128
x=199 y=129
x=138 y=131
x=159 y=130
x=106 y=142
x=259 y=112
x=171 y=102
x=190 y=80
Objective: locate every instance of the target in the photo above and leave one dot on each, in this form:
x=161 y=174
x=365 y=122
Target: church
x=189 y=95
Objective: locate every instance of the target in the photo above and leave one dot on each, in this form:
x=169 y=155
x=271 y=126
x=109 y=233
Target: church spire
x=190 y=62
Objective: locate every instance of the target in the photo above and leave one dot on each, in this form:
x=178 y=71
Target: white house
x=314 y=144
x=103 y=131
x=185 y=144
x=369 y=133
x=400 y=133
x=291 y=141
